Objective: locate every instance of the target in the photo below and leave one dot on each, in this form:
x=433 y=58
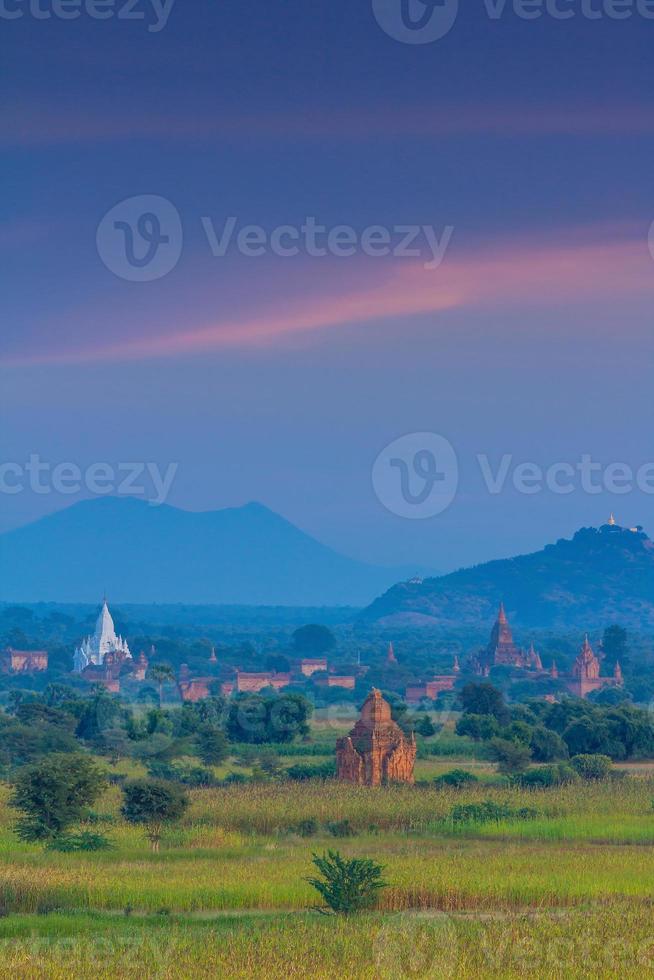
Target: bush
x=347 y=885
x=591 y=767
x=456 y=778
x=489 y=812
x=547 y=746
x=341 y=828
x=95 y=818
x=86 y=841
x=305 y=828
x=324 y=770
x=235 y=778
x=544 y=776
x=186 y=774
x=511 y=757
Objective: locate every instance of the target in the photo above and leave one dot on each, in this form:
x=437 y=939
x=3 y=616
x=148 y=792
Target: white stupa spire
x=104 y=640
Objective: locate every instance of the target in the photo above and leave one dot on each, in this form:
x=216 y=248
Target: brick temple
x=502 y=650
x=586 y=673
x=376 y=751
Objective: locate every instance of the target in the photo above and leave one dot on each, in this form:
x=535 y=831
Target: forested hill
x=601 y=576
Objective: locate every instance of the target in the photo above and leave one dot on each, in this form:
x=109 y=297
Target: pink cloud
x=516 y=275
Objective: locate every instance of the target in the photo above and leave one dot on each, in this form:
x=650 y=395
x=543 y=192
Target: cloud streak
x=25 y=126
x=516 y=275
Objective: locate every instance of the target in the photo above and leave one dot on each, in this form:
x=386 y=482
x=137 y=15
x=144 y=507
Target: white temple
x=93 y=649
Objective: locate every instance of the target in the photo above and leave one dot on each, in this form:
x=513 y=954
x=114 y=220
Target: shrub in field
x=591 y=766
x=153 y=803
x=268 y=762
x=94 y=818
x=187 y=775
x=324 y=770
x=544 y=776
x=347 y=885
x=86 y=841
x=307 y=828
x=54 y=793
x=456 y=778
x=341 y=828
x=235 y=778
x=488 y=811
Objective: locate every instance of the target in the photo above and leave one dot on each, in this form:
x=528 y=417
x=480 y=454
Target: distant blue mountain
x=142 y=554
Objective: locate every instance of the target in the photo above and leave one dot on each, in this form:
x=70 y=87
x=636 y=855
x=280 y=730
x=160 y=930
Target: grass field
x=568 y=892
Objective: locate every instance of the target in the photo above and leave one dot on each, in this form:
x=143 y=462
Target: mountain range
x=601 y=576
x=139 y=553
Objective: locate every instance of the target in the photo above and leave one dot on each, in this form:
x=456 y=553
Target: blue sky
x=282 y=378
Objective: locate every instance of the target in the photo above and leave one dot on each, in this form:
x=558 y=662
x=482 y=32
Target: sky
x=433 y=408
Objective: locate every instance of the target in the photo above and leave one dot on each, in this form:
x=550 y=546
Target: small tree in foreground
x=55 y=793
x=153 y=803
x=347 y=885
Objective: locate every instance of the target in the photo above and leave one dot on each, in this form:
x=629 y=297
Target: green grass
x=574 y=943
x=571 y=884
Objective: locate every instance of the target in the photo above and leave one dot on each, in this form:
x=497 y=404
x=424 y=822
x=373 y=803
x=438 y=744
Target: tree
x=54 y=793
x=257 y=718
x=213 y=747
x=426 y=727
x=153 y=803
x=278 y=663
x=484 y=699
x=479 y=727
x=160 y=674
x=347 y=885
x=547 y=746
x=511 y=757
x=102 y=712
x=615 y=643
x=313 y=640
x=587 y=736
x=27 y=743
x=35 y=713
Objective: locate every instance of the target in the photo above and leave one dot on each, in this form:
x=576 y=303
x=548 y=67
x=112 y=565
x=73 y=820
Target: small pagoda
x=376 y=751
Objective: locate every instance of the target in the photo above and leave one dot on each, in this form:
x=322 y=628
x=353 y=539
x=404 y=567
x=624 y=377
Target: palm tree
x=161 y=673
